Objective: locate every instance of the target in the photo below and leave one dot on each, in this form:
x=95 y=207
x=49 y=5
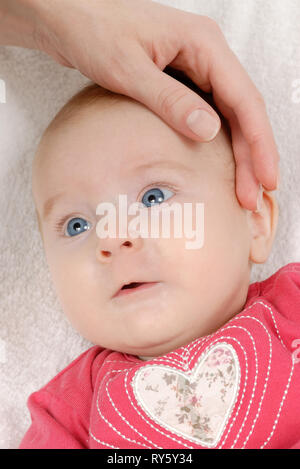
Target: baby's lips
x=121 y=287
x=132 y=286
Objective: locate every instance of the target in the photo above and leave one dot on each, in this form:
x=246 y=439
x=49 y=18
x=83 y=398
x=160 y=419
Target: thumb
x=179 y=106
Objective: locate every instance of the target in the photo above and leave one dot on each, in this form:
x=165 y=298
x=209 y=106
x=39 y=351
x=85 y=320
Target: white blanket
x=36 y=341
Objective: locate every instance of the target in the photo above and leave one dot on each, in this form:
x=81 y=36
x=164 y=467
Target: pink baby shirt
x=236 y=388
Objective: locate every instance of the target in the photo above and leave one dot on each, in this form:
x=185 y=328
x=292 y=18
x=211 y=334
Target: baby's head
x=101 y=145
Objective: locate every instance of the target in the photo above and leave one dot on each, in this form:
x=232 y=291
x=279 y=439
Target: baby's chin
x=160 y=347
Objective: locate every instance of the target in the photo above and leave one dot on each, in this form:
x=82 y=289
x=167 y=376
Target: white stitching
x=102 y=442
x=281 y=405
x=202 y=357
x=125 y=420
x=101 y=415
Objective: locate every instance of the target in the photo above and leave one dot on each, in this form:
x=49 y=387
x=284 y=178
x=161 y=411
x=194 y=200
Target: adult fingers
x=246 y=184
x=170 y=99
x=229 y=80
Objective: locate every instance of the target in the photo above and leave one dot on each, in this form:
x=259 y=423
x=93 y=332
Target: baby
x=187 y=354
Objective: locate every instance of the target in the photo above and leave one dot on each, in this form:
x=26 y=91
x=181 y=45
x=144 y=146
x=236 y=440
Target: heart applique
x=196 y=404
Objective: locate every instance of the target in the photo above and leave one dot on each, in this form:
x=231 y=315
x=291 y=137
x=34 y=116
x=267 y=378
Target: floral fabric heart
x=196 y=404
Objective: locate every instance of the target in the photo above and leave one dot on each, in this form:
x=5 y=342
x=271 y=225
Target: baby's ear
x=263 y=225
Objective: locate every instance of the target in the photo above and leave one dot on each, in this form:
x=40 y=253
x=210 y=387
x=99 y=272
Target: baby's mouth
x=132 y=287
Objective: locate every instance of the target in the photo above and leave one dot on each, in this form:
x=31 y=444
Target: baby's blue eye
x=155 y=196
x=77 y=226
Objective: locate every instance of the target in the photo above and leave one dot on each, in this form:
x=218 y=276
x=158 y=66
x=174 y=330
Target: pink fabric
x=96 y=402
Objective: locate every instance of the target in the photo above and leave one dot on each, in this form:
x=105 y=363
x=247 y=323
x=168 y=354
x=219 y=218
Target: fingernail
x=259 y=199
x=203 y=124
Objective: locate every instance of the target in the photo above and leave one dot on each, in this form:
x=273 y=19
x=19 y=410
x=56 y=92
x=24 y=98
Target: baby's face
x=126 y=149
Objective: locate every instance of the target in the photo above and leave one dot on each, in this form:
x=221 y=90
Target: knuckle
x=210 y=22
x=214 y=28
x=169 y=97
x=256 y=136
x=260 y=99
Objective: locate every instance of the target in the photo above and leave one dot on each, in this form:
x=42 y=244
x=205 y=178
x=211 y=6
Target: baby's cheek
x=181 y=265
x=72 y=282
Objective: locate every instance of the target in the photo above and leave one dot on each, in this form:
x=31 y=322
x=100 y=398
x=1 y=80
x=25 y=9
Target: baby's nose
x=108 y=248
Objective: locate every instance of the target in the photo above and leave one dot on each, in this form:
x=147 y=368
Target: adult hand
x=123 y=45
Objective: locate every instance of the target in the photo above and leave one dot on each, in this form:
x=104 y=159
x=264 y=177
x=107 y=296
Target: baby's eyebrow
x=163 y=164
x=49 y=204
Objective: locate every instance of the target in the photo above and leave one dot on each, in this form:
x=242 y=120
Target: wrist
x=18 y=23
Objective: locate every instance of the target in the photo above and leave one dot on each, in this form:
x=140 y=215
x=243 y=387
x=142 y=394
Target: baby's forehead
x=124 y=137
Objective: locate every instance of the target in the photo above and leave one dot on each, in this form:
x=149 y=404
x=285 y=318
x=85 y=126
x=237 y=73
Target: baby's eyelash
x=172 y=187
x=60 y=223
